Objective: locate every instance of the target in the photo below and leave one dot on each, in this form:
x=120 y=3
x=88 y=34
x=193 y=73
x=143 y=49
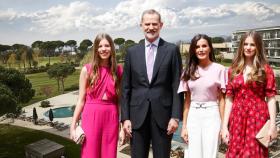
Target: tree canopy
x=17 y=83
x=15 y=89
x=8 y=103
x=60 y=72
x=218 y=40
x=119 y=41
x=84 y=46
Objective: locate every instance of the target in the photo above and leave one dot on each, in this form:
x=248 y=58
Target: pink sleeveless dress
x=100 y=118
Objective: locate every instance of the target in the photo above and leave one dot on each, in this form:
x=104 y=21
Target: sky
x=25 y=21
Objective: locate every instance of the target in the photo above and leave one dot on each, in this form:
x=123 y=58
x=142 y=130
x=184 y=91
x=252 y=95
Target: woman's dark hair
x=192 y=60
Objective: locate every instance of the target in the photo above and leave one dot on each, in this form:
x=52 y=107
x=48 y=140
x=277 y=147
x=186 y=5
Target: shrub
x=45 y=104
x=73 y=107
x=227 y=60
x=8 y=103
x=277 y=80
x=72 y=87
x=46 y=90
x=35 y=63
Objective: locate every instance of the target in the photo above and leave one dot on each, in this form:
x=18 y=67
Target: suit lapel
x=142 y=60
x=159 y=57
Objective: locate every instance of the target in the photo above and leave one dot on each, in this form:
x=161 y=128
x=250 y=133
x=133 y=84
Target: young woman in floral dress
x=250 y=100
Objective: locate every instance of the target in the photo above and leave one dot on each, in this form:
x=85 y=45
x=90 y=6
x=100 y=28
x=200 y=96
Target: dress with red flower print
x=249 y=113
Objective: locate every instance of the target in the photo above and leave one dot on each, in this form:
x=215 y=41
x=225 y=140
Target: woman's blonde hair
x=259 y=60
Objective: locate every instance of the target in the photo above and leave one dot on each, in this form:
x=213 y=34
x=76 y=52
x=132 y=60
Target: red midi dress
x=249 y=113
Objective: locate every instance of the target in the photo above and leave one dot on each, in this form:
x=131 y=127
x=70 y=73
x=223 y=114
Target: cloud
x=82 y=15
x=8 y=15
x=64 y=18
x=259 y=11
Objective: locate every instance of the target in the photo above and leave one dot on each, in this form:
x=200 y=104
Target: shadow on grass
x=14 y=139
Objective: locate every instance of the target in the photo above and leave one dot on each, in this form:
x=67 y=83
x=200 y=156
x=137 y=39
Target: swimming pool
x=61 y=112
x=177 y=134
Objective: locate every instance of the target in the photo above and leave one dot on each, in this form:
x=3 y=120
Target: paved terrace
x=68 y=99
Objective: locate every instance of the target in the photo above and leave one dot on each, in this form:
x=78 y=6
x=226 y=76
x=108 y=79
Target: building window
x=272 y=53
x=239 y=37
x=277 y=34
x=277 y=53
x=274 y=44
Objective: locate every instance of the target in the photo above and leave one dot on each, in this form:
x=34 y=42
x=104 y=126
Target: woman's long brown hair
x=192 y=62
x=95 y=62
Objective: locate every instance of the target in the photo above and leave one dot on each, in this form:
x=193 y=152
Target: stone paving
x=68 y=99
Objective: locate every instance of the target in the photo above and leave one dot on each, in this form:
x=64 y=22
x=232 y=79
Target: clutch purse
x=79 y=135
x=262 y=134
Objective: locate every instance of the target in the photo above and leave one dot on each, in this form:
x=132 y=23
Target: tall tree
x=37 y=44
x=15 y=89
x=59 y=45
x=23 y=58
x=29 y=55
x=141 y=41
x=8 y=103
x=127 y=44
x=218 y=40
x=36 y=54
x=18 y=84
x=119 y=42
x=60 y=72
x=12 y=60
x=72 y=44
x=49 y=48
x=18 y=49
x=37 y=50
x=4 y=53
x=84 y=47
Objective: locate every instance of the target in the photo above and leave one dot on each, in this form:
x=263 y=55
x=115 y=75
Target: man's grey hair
x=151 y=11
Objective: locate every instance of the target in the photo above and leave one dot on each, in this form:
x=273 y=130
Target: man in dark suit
x=150 y=105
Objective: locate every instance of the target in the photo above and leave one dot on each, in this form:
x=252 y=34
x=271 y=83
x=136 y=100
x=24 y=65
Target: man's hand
x=172 y=126
x=127 y=128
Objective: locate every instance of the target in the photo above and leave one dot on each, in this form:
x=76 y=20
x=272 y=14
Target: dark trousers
x=150 y=132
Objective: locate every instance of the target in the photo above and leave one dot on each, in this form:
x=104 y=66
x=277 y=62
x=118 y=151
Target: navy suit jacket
x=137 y=94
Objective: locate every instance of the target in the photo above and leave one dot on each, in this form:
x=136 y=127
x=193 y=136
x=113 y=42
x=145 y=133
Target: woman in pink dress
x=250 y=100
x=203 y=83
x=98 y=101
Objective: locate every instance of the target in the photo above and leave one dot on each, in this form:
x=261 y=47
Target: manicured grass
x=40 y=80
x=226 y=64
x=14 y=139
x=42 y=62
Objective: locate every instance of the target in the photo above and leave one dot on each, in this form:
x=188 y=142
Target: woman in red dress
x=250 y=100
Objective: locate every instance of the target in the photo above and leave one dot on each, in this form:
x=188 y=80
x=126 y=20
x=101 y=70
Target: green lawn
x=42 y=62
x=14 y=139
x=226 y=64
x=39 y=80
